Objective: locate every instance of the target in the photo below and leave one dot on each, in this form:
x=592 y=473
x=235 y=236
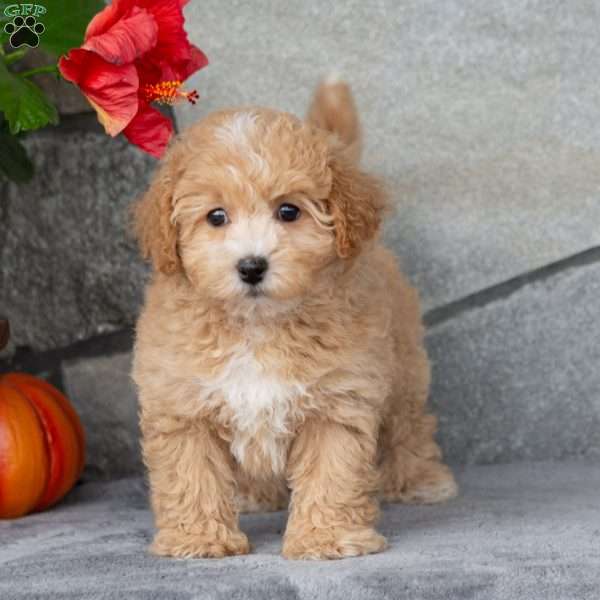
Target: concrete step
x=516 y=531
x=517 y=378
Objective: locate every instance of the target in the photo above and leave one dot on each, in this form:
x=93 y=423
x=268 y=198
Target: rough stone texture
x=481 y=115
x=103 y=393
x=518 y=531
x=518 y=378
x=69 y=267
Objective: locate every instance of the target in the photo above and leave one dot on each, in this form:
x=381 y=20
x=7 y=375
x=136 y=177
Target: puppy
x=279 y=351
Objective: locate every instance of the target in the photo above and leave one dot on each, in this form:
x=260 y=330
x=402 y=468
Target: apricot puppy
x=279 y=347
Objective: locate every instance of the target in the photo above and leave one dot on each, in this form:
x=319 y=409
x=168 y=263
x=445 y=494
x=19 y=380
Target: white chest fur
x=260 y=405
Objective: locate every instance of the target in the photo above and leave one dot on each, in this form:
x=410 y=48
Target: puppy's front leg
x=331 y=470
x=193 y=492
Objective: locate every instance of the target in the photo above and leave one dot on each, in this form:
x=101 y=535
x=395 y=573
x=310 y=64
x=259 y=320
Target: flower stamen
x=168 y=92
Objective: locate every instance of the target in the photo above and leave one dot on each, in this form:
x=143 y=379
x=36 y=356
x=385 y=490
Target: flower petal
x=198 y=60
x=107 y=17
x=128 y=39
x=172 y=44
x=150 y=130
x=111 y=89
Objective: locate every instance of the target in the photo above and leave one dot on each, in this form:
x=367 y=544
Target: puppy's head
x=255 y=205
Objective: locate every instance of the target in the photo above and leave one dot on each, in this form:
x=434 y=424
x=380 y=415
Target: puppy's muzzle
x=252 y=269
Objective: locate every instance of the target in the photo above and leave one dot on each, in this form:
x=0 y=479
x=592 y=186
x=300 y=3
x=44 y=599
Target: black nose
x=252 y=269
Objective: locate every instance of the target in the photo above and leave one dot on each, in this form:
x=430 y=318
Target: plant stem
x=38 y=70
x=9 y=59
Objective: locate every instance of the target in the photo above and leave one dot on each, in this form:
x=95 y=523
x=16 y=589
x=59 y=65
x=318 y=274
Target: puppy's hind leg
x=411 y=468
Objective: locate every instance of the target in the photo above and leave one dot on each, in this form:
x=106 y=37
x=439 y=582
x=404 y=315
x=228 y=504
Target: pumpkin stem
x=4 y=332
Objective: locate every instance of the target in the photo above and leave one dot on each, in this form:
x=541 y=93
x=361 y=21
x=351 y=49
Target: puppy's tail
x=332 y=108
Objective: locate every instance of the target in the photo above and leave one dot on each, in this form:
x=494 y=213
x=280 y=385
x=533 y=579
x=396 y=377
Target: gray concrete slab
x=103 y=394
x=482 y=116
x=518 y=378
x=516 y=531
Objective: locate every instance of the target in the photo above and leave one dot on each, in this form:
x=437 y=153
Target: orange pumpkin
x=42 y=445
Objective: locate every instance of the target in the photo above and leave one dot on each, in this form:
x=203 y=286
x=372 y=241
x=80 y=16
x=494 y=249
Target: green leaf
x=4 y=37
x=14 y=162
x=66 y=22
x=24 y=105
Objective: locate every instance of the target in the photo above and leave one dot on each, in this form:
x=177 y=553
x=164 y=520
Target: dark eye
x=288 y=212
x=217 y=217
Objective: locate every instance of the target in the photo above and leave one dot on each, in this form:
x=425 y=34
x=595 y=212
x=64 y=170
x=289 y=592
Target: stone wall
x=69 y=266
x=482 y=117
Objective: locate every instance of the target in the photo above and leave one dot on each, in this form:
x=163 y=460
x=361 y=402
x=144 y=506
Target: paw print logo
x=24 y=32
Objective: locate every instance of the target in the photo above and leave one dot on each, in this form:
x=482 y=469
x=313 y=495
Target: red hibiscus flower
x=135 y=52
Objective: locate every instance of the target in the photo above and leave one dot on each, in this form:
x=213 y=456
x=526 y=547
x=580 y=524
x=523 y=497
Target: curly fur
x=317 y=383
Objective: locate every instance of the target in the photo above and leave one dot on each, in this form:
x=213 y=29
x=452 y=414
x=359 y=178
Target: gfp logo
x=24 y=29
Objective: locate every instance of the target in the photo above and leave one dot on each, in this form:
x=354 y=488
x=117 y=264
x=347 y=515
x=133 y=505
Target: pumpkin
x=42 y=445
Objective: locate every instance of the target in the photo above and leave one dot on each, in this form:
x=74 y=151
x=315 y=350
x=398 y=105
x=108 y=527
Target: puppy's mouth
x=255 y=291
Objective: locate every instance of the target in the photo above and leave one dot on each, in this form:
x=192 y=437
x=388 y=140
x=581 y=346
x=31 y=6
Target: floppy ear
x=156 y=234
x=356 y=202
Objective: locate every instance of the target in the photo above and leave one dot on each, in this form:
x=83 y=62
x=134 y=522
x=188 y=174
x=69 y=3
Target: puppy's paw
x=214 y=544
x=431 y=485
x=332 y=543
